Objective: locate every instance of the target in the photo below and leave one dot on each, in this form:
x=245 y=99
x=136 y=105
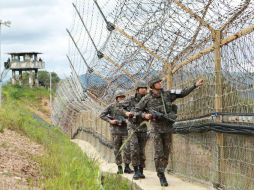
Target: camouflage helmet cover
x=119 y=93
x=141 y=84
x=154 y=80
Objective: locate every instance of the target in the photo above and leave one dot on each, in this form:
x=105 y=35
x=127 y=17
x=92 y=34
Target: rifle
x=135 y=118
x=120 y=119
x=169 y=117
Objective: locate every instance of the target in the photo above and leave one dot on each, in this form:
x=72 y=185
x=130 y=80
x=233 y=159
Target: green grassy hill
x=64 y=166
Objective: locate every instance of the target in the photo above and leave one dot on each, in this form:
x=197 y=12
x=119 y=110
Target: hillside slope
x=56 y=163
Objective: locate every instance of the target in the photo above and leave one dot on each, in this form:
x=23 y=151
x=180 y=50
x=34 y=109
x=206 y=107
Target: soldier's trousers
x=162 y=149
x=137 y=145
x=118 y=141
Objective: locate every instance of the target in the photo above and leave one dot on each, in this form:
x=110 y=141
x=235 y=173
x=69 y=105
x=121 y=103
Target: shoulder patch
x=176 y=91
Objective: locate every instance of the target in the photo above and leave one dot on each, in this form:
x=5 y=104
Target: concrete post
x=31 y=81
x=13 y=79
x=36 y=78
x=20 y=77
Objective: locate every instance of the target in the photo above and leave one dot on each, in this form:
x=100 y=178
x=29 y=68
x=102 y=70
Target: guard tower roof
x=23 y=53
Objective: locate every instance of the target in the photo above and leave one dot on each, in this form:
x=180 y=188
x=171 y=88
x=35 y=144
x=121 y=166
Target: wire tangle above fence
x=114 y=44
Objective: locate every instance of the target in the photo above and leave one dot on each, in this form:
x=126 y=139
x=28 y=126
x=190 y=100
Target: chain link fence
x=114 y=44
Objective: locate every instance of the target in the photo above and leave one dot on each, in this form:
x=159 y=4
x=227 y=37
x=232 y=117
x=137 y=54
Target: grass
x=116 y=182
x=1 y=128
x=25 y=94
x=64 y=165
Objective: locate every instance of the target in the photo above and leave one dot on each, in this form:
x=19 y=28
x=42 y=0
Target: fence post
x=218 y=104
x=169 y=78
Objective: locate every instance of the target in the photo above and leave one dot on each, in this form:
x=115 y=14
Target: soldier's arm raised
x=186 y=91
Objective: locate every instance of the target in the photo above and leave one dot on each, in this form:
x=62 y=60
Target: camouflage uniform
x=161 y=129
x=119 y=132
x=138 y=133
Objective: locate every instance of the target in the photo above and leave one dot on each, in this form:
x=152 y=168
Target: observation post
x=25 y=61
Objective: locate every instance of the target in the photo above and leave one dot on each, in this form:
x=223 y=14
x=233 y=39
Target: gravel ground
x=17 y=168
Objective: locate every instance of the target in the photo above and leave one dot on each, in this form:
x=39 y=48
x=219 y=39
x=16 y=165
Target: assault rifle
x=169 y=117
x=120 y=119
x=136 y=118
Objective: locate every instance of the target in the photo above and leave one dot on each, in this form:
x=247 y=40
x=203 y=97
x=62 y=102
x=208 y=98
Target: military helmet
x=119 y=93
x=154 y=80
x=141 y=84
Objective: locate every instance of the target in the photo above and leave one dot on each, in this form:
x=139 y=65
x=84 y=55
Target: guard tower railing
x=26 y=65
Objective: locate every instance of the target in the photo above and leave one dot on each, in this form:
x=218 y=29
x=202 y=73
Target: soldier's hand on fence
x=148 y=116
x=129 y=114
x=199 y=83
x=113 y=122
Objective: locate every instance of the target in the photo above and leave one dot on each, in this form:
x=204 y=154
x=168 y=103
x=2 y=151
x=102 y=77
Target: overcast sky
x=38 y=25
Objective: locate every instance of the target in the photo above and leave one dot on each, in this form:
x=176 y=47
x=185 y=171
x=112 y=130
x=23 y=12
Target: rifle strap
x=163 y=102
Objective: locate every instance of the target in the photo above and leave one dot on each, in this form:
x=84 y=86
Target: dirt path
x=17 y=168
x=150 y=183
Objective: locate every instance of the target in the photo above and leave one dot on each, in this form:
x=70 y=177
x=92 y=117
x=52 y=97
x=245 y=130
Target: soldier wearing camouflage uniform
x=118 y=127
x=162 y=114
x=136 y=130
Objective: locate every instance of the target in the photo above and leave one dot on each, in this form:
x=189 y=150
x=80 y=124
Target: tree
x=43 y=77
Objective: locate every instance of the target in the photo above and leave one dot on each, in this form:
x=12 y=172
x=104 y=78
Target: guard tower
x=25 y=61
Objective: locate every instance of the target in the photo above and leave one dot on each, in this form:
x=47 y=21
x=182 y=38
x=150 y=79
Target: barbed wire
x=114 y=44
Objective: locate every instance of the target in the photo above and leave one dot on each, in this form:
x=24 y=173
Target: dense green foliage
x=43 y=77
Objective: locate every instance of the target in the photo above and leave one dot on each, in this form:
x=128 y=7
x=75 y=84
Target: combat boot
x=137 y=173
x=127 y=169
x=120 y=169
x=141 y=172
x=163 y=179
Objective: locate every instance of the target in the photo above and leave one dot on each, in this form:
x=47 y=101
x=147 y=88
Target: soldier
x=137 y=131
x=118 y=131
x=162 y=114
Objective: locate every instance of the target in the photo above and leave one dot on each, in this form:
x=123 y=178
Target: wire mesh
x=114 y=44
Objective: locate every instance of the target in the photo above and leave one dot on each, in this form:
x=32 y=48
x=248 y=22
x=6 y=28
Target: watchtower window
x=21 y=58
x=16 y=58
x=28 y=57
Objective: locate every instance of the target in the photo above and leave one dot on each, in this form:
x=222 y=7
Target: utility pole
x=4 y=23
x=50 y=90
x=50 y=94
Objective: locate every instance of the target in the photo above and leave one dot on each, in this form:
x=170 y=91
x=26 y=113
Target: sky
x=39 y=26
